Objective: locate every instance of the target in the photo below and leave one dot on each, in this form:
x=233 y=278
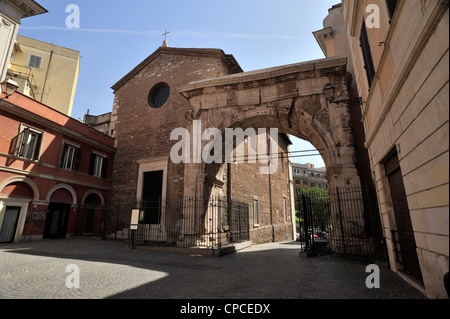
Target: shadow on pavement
x=272 y=271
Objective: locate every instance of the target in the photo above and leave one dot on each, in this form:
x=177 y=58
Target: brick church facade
x=148 y=107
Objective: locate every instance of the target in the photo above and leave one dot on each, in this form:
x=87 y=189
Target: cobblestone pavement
x=108 y=269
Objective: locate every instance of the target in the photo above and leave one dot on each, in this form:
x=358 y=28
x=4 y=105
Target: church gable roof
x=228 y=58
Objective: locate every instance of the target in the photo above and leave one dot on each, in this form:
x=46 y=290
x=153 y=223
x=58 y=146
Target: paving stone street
x=108 y=269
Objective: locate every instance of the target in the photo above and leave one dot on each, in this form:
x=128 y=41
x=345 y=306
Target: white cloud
x=89 y=30
x=185 y=33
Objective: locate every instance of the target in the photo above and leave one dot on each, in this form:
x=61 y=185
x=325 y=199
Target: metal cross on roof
x=165 y=34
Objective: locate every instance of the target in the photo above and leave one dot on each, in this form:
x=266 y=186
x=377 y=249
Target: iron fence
x=315 y=223
x=118 y=214
x=342 y=221
x=186 y=223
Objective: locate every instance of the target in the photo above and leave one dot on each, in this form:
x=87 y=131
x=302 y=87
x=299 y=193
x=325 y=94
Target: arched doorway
x=60 y=198
x=15 y=196
x=16 y=193
x=90 y=214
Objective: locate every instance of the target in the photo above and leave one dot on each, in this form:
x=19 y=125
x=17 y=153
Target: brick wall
x=143 y=133
x=247 y=183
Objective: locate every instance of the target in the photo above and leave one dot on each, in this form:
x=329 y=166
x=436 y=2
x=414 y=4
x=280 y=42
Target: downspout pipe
x=46 y=76
x=270 y=192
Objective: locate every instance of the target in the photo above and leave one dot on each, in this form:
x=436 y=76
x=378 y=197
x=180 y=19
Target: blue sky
x=115 y=36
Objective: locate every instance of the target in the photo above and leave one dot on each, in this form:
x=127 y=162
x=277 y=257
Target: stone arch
x=93 y=192
x=320 y=142
x=66 y=187
x=290 y=98
x=21 y=179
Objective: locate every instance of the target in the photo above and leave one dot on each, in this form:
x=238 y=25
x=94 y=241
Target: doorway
x=89 y=223
x=56 y=221
x=407 y=242
x=9 y=224
x=91 y=209
x=152 y=197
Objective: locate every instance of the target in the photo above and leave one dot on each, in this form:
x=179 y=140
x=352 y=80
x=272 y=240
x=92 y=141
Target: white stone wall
x=408 y=108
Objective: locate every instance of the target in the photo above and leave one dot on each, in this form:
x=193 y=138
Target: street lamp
x=9 y=87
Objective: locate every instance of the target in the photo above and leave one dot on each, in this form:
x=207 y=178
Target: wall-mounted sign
x=134 y=219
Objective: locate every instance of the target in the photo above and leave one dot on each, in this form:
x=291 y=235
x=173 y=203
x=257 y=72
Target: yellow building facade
x=307 y=176
x=11 y=14
x=45 y=72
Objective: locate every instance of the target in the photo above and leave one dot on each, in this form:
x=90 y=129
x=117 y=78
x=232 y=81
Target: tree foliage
x=318 y=206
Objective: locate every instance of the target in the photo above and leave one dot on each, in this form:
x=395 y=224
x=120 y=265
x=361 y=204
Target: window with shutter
x=92 y=165
x=98 y=166
x=367 y=54
x=35 y=62
x=37 y=148
x=21 y=141
x=31 y=145
x=77 y=160
x=28 y=144
x=68 y=156
x=71 y=157
x=105 y=168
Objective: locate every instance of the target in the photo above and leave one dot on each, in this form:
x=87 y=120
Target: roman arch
x=290 y=98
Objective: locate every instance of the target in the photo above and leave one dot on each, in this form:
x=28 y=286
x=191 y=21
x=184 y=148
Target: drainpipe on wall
x=292 y=197
x=270 y=192
x=229 y=193
x=46 y=76
x=271 y=209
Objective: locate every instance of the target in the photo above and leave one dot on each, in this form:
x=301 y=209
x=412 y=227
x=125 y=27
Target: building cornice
x=52 y=177
x=290 y=70
x=320 y=36
x=35 y=118
x=26 y=8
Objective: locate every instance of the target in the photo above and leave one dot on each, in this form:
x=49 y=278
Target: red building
x=55 y=172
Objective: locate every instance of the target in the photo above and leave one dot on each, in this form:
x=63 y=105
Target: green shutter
x=77 y=159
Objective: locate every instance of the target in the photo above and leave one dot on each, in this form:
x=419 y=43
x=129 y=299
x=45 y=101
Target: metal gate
x=315 y=226
x=238 y=222
x=343 y=221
